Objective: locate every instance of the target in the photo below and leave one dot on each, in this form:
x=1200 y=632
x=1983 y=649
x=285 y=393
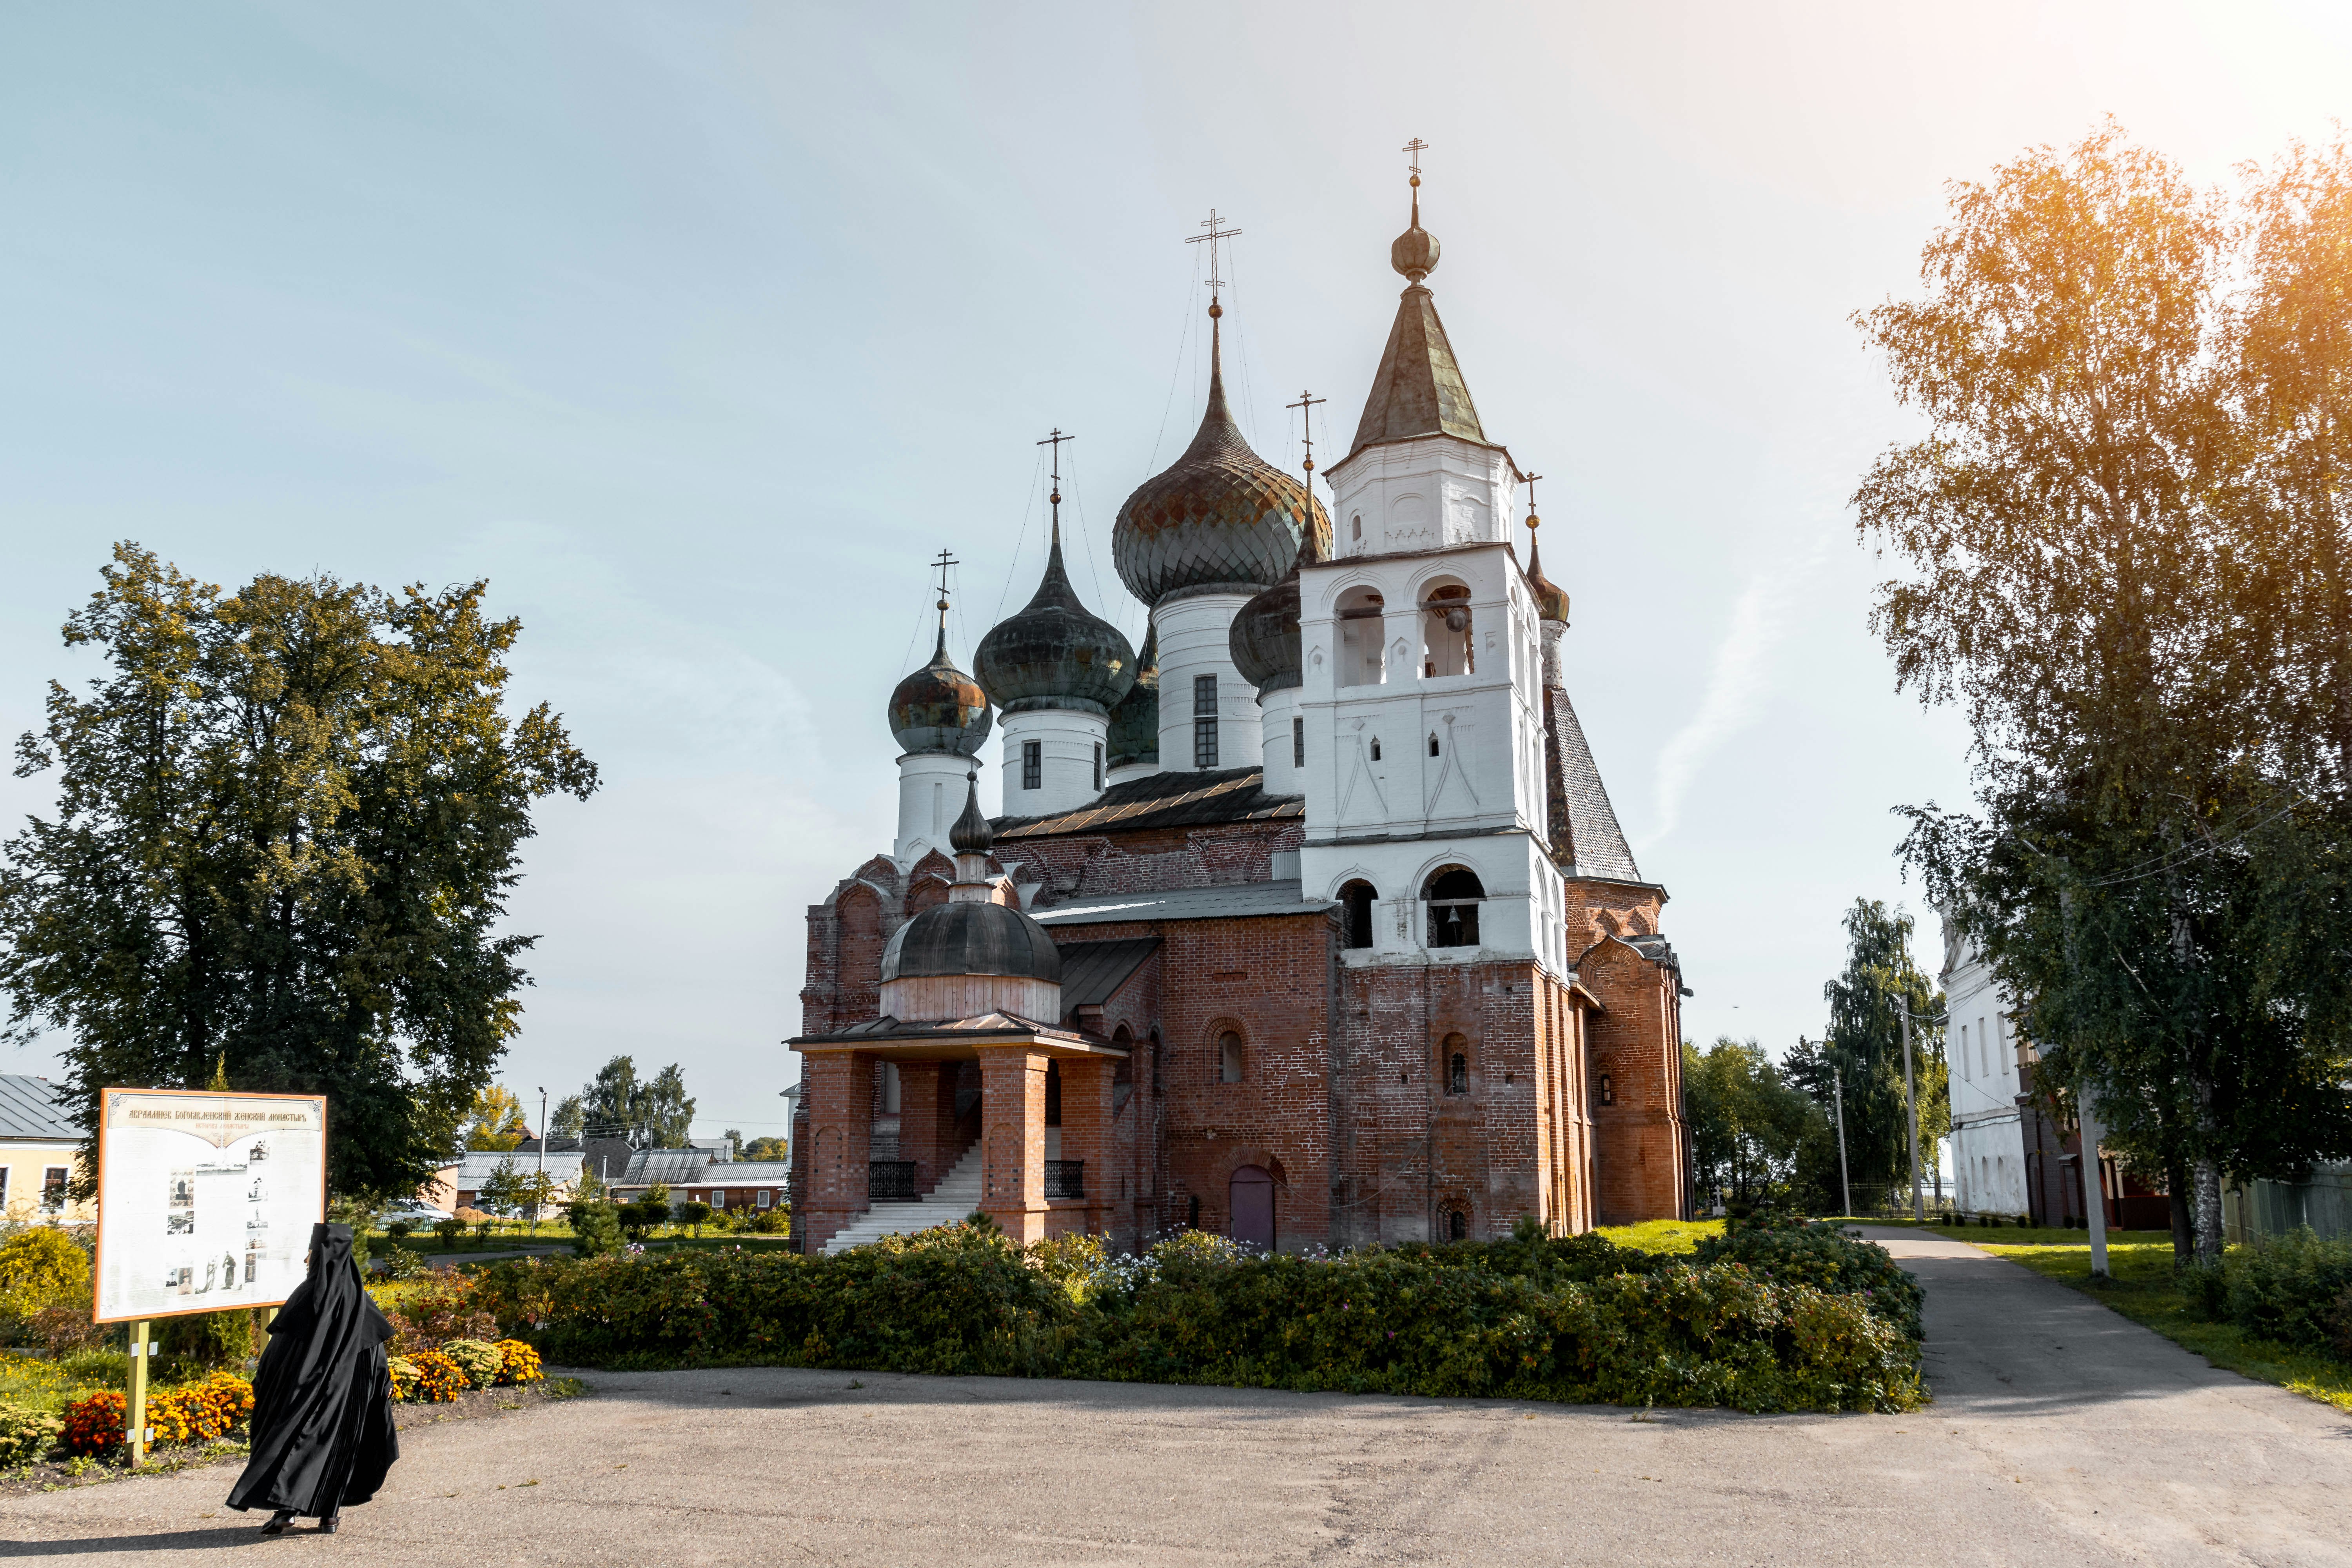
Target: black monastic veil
x=322 y=1431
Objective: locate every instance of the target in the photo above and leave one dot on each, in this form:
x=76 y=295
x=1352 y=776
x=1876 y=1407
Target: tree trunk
x=2184 y=1230
x=2208 y=1212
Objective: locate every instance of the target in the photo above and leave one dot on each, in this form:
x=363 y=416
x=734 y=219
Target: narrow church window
x=1193 y=1212
x=1456 y=1226
x=1608 y=1090
x=1376 y=748
x=1098 y=764
x=1229 y=1058
x=1458 y=1073
x=1432 y=743
x=1033 y=764
x=1298 y=742
x=1053 y=1094
x=1205 y=721
x=1356 y=901
x=1356 y=527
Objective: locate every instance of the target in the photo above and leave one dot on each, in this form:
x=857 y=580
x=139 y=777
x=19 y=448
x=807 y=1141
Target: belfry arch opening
x=1445 y=632
x=1452 y=893
x=1356 y=902
x=1361 y=632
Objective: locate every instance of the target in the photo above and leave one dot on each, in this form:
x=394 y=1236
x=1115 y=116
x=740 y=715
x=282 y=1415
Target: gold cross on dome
x=1413 y=149
x=1214 y=235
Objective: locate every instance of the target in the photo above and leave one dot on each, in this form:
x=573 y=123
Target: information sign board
x=206 y=1201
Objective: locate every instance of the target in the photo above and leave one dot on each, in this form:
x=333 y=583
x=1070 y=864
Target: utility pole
x=2094 y=1197
x=1846 y=1183
x=542 y=1130
x=1911 y=1103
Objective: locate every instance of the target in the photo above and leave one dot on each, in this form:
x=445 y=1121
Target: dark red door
x=1252 y=1207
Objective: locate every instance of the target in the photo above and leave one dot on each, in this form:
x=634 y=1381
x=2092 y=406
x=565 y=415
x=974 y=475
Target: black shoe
x=278 y=1522
x=327 y=1525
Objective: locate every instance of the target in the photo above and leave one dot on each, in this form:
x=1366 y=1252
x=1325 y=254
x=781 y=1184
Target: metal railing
x=890 y=1181
x=1065 y=1178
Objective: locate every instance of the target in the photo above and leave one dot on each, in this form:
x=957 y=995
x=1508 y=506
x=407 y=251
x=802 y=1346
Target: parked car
x=414 y=1211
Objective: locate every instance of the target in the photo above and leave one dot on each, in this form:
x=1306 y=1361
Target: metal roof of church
x=1092 y=971
x=1230 y=901
x=1585 y=838
x=1164 y=800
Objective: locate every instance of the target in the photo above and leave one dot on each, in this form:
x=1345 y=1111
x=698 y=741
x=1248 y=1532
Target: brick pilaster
x=1012 y=1139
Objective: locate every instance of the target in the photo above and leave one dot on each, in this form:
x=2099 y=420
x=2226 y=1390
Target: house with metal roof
x=41 y=1153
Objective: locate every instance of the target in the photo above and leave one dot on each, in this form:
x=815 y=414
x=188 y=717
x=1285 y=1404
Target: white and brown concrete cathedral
x=1311 y=924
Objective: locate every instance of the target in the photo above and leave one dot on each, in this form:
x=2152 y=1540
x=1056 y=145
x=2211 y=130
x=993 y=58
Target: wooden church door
x=1252 y=1195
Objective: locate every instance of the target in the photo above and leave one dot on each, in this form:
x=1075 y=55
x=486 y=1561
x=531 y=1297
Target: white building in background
x=1980 y=1048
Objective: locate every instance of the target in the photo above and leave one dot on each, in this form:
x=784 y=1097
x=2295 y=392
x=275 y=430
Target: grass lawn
x=2142 y=1288
x=1662 y=1234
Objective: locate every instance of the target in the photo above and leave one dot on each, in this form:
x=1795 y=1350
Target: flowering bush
x=209 y=1409
x=425 y=1316
x=1540 y=1317
x=518 y=1364
x=478 y=1360
x=428 y=1377
x=94 y=1422
x=28 y=1434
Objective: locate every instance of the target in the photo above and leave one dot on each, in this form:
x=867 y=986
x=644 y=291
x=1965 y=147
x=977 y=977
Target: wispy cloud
x=1736 y=689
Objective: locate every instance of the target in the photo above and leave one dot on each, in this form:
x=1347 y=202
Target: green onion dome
x=1055 y=653
x=1135 y=722
x=939 y=708
x=1221 y=517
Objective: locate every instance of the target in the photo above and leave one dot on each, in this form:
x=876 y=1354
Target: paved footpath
x=2061 y=1434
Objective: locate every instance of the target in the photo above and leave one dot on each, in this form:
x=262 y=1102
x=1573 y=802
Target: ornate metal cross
x=1055 y=441
x=1415 y=149
x=1214 y=235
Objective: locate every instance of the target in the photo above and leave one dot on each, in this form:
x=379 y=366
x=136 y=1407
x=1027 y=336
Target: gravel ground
x=2060 y=1433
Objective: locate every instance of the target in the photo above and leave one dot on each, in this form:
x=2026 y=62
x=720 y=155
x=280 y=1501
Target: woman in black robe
x=323 y=1432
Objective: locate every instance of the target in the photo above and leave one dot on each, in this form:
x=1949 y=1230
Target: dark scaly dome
x=971 y=939
x=1220 y=517
x=939 y=708
x=1055 y=653
x=975 y=936
x=1135 y=722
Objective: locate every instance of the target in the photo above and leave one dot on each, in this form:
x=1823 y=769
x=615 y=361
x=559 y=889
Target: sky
x=699 y=331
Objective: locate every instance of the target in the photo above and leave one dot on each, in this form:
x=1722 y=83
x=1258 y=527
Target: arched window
x=1361 y=637
x=1376 y=748
x=1158 y=1084
x=1608 y=1090
x=1229 y=1058
x=1454 y=894
x=1053 y=1094
x=1356 y=528
x=1432 y=743
x=1122 y=1077
x=1458 y=1225
x=1445 y=631
x=1356 y=902
x=1457 y=1065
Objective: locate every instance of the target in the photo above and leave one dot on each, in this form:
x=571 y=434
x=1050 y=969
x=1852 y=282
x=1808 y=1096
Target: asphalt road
x=2061 y=1433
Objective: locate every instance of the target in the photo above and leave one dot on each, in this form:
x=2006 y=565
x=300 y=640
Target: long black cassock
x=323 y=1432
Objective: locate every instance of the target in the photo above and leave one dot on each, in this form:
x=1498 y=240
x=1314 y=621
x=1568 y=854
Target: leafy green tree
x=502 y=1192
x=288 y=823
x=1747 y=1120
x=768 y=1149
x=497 y=1120
x=570 y=1116
x=2131 y=550
x=1864 y=1045
x=615 y=1103
x=694 y=1212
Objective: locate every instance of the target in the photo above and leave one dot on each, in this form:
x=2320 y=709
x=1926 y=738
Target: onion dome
x=1414 y=252
x=1551 y=599
x=1221 y=517
x=971 y=834
x=1135 y=722
x=969 y=940
x=939 y=708
x=1055 y=653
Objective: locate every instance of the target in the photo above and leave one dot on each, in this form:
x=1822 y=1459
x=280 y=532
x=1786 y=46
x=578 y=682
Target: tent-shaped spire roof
x=1418 y=389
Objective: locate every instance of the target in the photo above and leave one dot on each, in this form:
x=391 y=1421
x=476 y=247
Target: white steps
x=955 y=1197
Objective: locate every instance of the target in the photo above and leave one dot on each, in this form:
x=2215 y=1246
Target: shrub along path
x=2061 y=1433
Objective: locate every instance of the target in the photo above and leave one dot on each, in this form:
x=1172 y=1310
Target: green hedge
x=2295 y=1288
x=1575 y=1320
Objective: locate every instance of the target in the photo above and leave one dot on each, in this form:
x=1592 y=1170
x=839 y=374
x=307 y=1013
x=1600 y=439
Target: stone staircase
x=956 y=1196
